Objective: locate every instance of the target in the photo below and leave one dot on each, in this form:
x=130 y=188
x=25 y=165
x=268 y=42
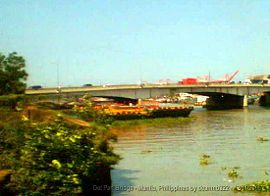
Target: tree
x=12 y=74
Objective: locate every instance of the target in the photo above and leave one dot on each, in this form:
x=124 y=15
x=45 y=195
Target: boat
x=144 y=112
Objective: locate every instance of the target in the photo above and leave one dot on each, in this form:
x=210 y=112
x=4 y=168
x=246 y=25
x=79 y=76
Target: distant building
x=259 y=79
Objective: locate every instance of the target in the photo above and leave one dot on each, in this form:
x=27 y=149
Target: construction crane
x=206 y=80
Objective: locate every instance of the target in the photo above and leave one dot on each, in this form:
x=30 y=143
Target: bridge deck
x=260 y=87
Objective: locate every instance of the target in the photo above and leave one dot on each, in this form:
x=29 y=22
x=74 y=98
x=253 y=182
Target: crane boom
x=233 y=76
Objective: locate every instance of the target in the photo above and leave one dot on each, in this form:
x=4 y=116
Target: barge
x=144 y=112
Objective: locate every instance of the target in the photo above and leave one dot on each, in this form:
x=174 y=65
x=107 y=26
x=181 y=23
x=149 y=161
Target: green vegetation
x=155 y=122
x=261 y=139
x=89 y=113
x=233 y=174
x=13 y=101
x=205 y=159
x=12 y=80
x=205 y=156
x=49 y=156
x=259 y=187
x=53 y=106
x=225 y=167
x=12 y=74
x=55 y=157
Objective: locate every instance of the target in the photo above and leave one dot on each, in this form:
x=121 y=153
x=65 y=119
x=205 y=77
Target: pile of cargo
x=142 y=112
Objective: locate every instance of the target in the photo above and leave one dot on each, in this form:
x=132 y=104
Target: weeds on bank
x=53 y=157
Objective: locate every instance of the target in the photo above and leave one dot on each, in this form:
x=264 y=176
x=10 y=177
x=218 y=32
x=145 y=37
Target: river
x=164 y=160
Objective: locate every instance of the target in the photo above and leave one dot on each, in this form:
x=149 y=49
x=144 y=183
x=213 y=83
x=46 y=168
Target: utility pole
x=57 y=75
x=58 y=84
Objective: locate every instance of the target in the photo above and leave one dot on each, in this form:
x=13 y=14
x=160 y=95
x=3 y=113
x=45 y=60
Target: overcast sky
x=124 y=41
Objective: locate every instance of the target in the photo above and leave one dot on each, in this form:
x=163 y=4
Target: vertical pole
x=58 y=84
x=57 y=75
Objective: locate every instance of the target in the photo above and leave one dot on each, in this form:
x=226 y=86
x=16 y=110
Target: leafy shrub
x=55 y=158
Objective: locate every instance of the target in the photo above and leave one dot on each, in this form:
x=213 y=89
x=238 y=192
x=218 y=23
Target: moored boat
x=143 y=112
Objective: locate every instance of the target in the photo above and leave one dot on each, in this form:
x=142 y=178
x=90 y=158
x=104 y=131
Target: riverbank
x=49 y=154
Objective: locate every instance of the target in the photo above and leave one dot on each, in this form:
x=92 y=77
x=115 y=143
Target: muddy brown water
x=166 y=160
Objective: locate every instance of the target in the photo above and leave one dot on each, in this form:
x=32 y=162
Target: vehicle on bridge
x=87 y=85
x=190 y=81
x=164 y=82
x=36 y=87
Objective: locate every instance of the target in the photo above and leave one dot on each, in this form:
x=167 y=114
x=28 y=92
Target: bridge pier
x=226 y=101
x=245 y=101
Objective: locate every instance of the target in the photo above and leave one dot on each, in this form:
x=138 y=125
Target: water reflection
x=171 y=155
x=123 y=181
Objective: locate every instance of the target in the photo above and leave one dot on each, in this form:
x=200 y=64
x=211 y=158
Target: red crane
x=225 y=79
x=206 y=79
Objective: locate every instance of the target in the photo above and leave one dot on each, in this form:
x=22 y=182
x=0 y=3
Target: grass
x=156 y=122
x=7 y=114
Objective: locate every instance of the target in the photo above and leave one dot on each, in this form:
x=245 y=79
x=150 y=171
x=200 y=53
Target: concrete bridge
x=221 y=96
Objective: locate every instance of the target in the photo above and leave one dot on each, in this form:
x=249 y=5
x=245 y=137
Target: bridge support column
x=224 y=101
x=245 y=101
